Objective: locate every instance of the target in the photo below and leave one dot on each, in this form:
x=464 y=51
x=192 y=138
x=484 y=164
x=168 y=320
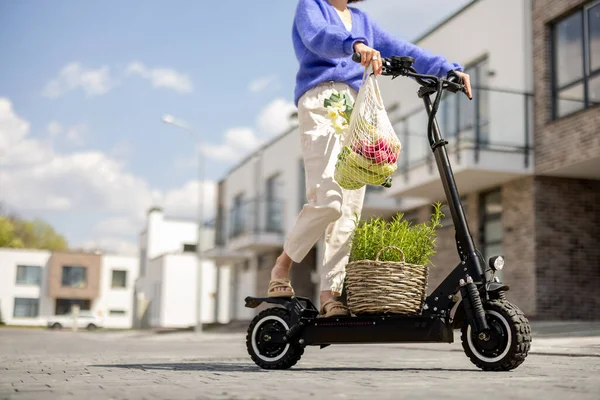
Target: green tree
x=16 y=232
x=38 y=234
x=7 y=234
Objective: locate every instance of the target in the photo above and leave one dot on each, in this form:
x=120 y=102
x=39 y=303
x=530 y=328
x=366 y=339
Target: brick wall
x=571 y=139
x=518 y=221
x=568 y=256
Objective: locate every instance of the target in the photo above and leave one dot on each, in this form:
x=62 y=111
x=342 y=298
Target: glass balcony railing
x=256 y=216
x=495 y=120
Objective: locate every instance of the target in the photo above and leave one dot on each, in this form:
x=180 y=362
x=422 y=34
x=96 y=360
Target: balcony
x=220 y=252
x=489 y=143
x=256 y=225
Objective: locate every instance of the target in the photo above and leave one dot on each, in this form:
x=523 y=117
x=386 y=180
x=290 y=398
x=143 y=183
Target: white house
x=166 y=291
x=37 y=284
x=24 y=287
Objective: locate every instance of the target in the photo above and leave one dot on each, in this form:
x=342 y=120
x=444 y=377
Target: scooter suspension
x=474 y=308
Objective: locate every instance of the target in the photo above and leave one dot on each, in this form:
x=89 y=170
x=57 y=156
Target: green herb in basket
x=416 y=241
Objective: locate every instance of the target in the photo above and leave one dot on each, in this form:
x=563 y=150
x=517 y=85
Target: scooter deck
x=377 y=329
x=373 y=328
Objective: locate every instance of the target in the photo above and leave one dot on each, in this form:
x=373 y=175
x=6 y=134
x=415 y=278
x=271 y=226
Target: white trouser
x=331 y=210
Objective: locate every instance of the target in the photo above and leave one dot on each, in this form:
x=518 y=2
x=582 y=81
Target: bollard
x=75 y=313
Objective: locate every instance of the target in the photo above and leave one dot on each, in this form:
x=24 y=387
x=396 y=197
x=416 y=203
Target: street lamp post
x=169 y=119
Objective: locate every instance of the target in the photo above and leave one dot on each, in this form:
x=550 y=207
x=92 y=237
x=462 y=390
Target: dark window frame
x=30 y=300
x=588 y=73
x=457 y=106
x=484 y=218
x=190 y=248
x=301 y=185
x=22 y=283
x=273 y=203
x=112 y=279
x=62 y=276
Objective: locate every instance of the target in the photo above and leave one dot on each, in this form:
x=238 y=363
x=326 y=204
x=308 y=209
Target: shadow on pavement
x=225 y=367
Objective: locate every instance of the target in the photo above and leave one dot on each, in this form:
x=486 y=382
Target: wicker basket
x=375 y=287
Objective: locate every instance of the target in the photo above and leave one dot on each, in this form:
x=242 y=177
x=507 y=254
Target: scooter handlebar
x=452 y=83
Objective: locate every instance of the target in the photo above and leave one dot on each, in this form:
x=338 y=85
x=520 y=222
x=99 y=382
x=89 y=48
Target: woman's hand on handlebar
x=369 y=55
x=466 y=81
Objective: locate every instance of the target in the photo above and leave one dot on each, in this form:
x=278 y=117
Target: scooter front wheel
x=264 y=343
x=509 y=340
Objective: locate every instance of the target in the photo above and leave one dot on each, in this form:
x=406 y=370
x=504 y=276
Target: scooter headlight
x=496 y=263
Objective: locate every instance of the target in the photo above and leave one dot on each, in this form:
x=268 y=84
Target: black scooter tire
x=288 y=357
x=518 y=331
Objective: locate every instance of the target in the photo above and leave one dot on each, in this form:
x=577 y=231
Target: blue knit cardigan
x=324 y=47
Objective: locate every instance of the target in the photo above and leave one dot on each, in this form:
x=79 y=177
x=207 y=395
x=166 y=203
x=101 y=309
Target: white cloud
x=35 y=177
x=54 y=129
x=82 y=182
x=73 y=135
x=183 y=202
x=93 y=82
x=238 y=142
x=117 y=226
x=121 y=150
x=14 y=144
x=260 y=84
x=162 y=77
x=275 y=118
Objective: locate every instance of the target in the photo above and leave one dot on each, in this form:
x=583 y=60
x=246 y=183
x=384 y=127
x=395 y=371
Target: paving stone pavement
x=39 y=364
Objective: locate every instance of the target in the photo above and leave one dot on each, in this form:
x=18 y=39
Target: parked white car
x=85 y=320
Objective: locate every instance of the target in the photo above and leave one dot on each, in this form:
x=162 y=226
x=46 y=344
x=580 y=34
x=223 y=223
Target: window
x=74 y=277
x=189 y=248
x=237 y=215
x=576 y=61
x=459 y=114
x=491 y=229
x=273 y=204
x=28 y=275
x=302 y=186
x=64 y=306
x=119 y=279
x=116 y=312
x=26 y=308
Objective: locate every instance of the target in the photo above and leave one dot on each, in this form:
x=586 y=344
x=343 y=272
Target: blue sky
x=83 y=86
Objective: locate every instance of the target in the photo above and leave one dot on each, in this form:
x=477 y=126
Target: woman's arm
x=319 y=35
x=425 y=62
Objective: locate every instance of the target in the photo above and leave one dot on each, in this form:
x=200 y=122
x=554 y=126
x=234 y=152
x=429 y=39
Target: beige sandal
x=333 y=308
x=278 y=284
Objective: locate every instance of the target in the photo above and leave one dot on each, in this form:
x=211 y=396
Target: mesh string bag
x=370 y=147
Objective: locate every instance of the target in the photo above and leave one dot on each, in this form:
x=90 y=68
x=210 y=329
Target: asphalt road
x=39 y=364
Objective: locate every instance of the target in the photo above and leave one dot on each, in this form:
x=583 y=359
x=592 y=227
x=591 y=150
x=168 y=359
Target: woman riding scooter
x=326 y=33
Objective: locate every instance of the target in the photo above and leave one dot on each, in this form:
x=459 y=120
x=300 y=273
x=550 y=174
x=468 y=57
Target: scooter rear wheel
x=508 y=343
x=266 y=353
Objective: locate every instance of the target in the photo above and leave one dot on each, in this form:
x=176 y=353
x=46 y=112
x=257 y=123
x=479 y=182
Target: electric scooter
x=495 y=334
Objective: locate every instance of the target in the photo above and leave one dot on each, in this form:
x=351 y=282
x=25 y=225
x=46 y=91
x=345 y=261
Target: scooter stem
x=464 y=241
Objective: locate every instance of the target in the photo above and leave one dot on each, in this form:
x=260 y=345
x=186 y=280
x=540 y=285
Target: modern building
x=166 y=292
x=525 y=151
x=565 y=191
x=35 y=285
